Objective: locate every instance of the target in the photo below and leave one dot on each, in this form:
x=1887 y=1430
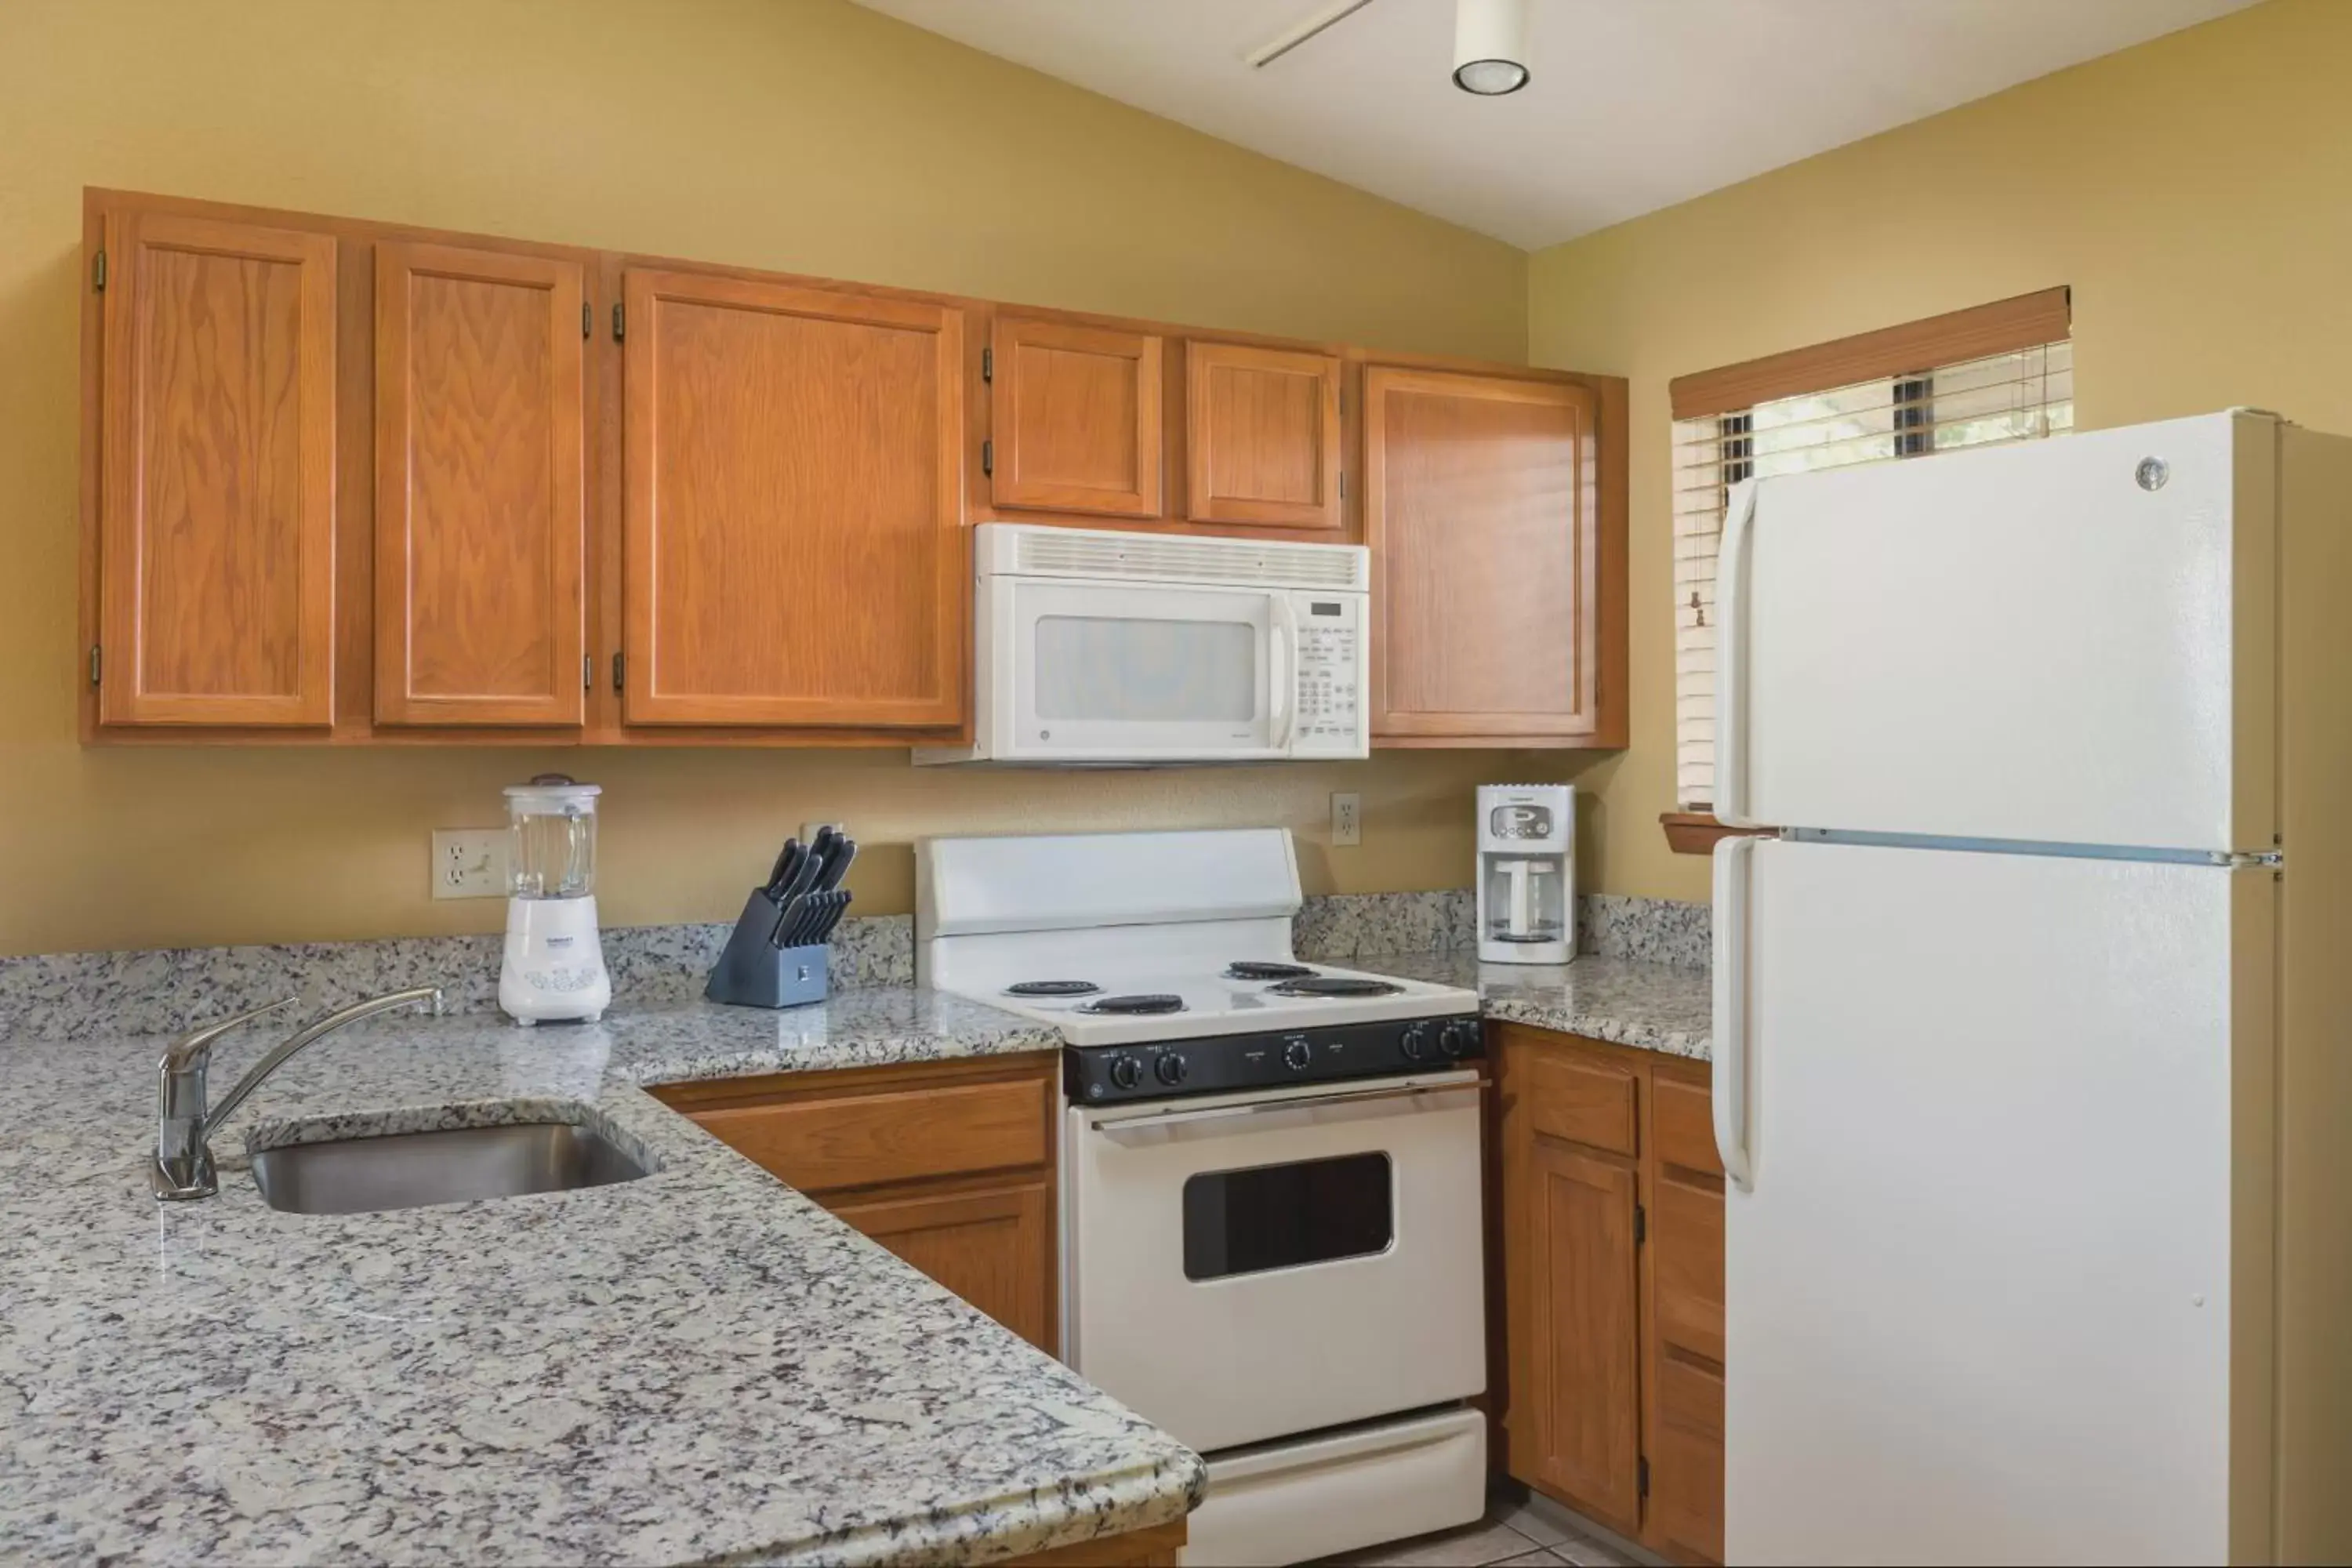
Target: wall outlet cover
x=1347 y=819
x=469 y=862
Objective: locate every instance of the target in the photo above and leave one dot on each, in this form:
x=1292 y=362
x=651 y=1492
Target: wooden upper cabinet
x=1482 y=508
x=480 y=521
x=1262 y=436
x=1075 y=413
x=793 y=551
x=216 y=540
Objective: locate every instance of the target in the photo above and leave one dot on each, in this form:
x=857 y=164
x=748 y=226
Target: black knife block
x=750 y=973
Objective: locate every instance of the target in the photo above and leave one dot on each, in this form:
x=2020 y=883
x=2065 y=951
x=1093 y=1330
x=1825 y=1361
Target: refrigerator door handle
x=1734 y=863
x=1731 y=656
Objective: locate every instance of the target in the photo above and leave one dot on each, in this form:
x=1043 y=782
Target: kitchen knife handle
x=1734 y=874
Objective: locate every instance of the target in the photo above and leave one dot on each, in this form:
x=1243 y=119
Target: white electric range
x=1272 y=1243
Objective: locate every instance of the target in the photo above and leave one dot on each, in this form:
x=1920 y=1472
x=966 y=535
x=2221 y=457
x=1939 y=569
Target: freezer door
x=1979 y=1282
x=2068 y=641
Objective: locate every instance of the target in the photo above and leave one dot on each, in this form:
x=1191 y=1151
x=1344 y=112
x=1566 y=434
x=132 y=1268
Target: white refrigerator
x=2033 y=1021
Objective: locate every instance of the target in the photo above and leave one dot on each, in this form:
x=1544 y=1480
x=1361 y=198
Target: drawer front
x=1686 y=1503
x=1686 y=1245
x=890 y=1135
x=1582 y=1102
x=1681 y=1121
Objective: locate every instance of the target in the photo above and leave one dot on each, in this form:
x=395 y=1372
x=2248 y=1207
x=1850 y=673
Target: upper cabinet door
x=1078 y=418
x=1263 y=435
x=480 y=520
x=793 y=551
x=217 y=474
x=1480 y=510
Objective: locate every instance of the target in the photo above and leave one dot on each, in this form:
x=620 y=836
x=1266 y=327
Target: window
x=2001 y=372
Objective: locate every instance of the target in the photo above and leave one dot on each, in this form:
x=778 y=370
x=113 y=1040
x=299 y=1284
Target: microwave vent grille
x=1171 y=558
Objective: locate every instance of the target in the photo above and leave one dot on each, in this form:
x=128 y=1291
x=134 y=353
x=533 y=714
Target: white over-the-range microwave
x=1098 y=649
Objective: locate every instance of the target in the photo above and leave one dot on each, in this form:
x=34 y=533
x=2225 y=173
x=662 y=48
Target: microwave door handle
x=1282 y=708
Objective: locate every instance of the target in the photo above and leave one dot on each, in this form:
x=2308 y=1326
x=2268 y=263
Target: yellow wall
x=800 y=134
x=2195 y=191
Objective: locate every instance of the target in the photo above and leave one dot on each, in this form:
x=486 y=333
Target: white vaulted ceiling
x=1634 y=105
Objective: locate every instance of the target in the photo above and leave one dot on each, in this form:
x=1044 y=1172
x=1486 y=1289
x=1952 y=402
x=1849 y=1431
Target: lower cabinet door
x=1583 y=1356
x=993 y=1248
x=1686 y=1501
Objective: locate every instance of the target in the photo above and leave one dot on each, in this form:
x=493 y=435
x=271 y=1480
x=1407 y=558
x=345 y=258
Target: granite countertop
x=1654 y=1006
x=702 y=1364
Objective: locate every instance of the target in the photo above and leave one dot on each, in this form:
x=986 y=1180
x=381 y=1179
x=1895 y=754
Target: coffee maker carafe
x=1527 y=873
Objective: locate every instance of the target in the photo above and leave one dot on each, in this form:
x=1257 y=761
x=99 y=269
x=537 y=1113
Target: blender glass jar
x=552 y=828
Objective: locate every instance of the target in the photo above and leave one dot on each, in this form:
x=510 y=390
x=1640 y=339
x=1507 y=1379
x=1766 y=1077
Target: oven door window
x=1283 y=1216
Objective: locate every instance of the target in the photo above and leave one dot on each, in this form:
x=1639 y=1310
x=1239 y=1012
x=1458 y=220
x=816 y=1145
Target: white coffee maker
x=1527 y=873
x=554 y=964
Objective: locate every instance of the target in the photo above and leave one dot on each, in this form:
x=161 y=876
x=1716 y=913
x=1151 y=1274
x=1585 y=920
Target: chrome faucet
x=184 y=1128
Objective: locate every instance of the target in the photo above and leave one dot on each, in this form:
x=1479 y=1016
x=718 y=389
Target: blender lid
x=558 y=791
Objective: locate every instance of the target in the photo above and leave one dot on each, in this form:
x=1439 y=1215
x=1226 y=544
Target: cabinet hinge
x=98 y=270
x=987 y=360
x=1641 y=1225
x=587 y=672
x=617 y=675
x=988 y=458
x=620 y=323
x=94 y=664
x=587 y=320
x=1642 y=1475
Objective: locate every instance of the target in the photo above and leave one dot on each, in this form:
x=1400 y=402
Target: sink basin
x=410 y=1170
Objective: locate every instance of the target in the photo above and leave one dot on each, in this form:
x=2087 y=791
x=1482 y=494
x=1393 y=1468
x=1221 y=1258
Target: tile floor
x=1513 y=1532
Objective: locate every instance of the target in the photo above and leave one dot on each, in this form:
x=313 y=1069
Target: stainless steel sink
x=410 y=1170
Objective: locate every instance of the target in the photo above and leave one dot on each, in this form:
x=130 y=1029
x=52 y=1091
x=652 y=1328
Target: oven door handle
x=1271 y=1107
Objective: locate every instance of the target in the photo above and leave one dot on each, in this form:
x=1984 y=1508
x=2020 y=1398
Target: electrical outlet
x=469 y=862
x=1347 y=819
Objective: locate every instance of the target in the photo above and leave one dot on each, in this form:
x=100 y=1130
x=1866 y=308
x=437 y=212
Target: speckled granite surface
x=159 y=990
x=1655 y=1006
x=698 y=1365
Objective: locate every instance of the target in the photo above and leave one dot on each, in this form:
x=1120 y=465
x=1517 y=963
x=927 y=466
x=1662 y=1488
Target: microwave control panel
x=1332 y=663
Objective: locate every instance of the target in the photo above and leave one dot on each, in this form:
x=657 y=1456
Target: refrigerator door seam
x=2228 y=859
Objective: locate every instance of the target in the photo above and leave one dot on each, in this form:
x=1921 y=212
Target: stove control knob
x=1415 y=1042
x=1171 y=1069
x=1297 y=1056
x=1126 y=1072
x=1458 y=1038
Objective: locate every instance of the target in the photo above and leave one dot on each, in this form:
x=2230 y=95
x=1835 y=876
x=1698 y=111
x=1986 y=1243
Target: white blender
x=554 y=964
x=1527 y=873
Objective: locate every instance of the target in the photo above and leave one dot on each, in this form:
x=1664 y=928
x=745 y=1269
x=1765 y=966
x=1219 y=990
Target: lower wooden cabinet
x=1611 y=1240
x=948 y=1164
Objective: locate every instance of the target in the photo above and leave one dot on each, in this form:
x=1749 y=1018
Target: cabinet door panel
x=1263 y=436
x=1686 y=1240
x=794 y=548
x=217 y=458
x=1077 y=418
x=1686 y=1501
x=993 y=1248
x=1480 y=511
x=481 y=447
x=1581 y=1292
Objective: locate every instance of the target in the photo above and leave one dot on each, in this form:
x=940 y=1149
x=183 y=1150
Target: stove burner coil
x=1261 y=969
x=1052 y=988
x=1336 y=985
x=1152 y=1002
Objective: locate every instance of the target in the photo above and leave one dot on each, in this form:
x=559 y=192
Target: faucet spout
x=184 y=1157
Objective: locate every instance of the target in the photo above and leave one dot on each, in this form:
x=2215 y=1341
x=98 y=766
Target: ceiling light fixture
x=1490 y=46
x=1290 y=38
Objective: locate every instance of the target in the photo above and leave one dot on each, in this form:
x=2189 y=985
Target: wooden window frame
x=1899 y=353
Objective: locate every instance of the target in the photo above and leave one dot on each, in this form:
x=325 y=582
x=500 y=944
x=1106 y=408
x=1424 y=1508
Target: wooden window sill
x=1695 y=832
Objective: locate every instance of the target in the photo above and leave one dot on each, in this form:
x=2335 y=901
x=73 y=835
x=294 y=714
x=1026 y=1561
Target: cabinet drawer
x=1582 y=1102
x=1686 y=1503
x=891 y=1135
x=1682 y=1120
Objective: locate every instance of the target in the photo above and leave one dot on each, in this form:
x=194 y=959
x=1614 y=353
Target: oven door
x=1138 y=672
x=1248 y=1267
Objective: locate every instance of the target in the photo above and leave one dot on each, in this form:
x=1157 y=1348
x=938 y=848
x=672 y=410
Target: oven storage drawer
x=1250 y=1267
x=1294 y=1502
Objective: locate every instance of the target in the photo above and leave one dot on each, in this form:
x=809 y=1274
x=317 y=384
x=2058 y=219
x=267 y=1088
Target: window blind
x=2016 y=396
